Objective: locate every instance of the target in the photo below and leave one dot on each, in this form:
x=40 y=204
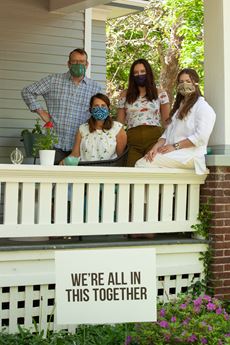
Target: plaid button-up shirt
x=67 y=103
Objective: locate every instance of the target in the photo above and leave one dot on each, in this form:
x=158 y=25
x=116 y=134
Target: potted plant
x=29 y=137
x=44 y=144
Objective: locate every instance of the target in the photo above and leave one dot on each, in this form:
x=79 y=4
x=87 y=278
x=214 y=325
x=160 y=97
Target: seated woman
x=184 y=142
x=100 y=138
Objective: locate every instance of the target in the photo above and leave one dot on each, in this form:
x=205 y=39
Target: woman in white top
x=144 y=109
x=184 y=142
x=100 y=138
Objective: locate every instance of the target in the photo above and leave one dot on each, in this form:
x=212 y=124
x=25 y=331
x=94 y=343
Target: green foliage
x=36 y=130
x=37 y=127
x=205 y=218
x=199 y=320
x=202 y=228
x=30 y=136
x=47 y=140
x=85 y=335
x=169 y=34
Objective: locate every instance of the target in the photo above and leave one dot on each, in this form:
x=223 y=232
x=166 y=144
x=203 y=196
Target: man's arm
x=30 y=94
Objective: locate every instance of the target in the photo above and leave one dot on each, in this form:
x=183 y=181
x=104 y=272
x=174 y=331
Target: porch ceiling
x=74 y=5
x=119 y=7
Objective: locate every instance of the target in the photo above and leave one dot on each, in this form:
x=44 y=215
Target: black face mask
x=140 y=80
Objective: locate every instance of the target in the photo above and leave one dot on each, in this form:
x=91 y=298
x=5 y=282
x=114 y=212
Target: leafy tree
x=169 y=34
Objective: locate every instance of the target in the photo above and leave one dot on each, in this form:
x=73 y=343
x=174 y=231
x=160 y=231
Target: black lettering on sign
x=97 y=278
x=77 y=295
x=79 y=279
x=116 y=278
x=135 y=278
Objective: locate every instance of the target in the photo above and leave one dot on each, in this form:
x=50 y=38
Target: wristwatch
x=176 y=146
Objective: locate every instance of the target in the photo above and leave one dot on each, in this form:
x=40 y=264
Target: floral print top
x=100 y=144
x=142 y=111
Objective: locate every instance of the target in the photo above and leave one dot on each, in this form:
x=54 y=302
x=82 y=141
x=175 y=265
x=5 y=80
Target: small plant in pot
x=44 y=144
x=28 y=137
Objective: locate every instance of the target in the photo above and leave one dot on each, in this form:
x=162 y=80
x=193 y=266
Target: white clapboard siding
x=34 y=43
x=98 y=60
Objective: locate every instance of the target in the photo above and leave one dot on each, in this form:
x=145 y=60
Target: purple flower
x=227 y=335
x=162 y=312
x=164 y=324
x=226 y=316
x=204 y=341
x=220 y=342
x=128 y=340
x=173 y=319
x=211 y=306
x=186 y=321
x=209 y=328
x=183 y=306
x=192 y=338
x=167 y=336
x=218 y=310
x=197 y=302
x=207 y=298
x=197 y=309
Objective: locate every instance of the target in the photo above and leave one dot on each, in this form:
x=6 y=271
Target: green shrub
x=187 y=320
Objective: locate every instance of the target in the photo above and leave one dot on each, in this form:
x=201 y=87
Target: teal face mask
x=77 y=70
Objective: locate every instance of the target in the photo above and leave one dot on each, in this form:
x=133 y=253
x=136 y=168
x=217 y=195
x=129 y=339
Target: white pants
x=162 y=161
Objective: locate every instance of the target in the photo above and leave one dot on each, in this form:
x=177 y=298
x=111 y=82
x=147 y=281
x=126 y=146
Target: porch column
x=217 y=70
x=217 y=93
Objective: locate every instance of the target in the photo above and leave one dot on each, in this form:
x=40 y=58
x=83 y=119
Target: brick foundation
x=217 y=186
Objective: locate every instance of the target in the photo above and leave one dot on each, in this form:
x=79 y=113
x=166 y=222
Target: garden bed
x=198 y=320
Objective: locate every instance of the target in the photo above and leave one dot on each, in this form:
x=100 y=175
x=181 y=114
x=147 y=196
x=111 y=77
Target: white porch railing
x=70 y=201
x=41 y=201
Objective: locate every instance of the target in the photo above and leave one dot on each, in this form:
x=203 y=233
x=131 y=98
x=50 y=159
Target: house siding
x=98 y=60
x=35 y=43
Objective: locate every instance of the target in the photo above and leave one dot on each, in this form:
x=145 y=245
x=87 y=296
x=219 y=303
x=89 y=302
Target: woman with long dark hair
x=144 y=108
x=184 y=142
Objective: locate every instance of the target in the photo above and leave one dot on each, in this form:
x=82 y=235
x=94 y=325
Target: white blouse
x=100 y=144
x=197 y=127
x=143 y=111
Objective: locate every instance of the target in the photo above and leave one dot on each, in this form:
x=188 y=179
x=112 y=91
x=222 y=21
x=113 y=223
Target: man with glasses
x=67 y=97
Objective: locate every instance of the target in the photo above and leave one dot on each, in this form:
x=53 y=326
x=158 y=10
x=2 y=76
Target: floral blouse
x=142 y=111
x=100 y=144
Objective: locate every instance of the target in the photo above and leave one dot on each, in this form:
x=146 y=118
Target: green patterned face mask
x=186 y=88
x=77 y=70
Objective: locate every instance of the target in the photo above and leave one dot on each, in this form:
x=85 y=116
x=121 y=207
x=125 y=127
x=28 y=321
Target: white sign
x=98 y=286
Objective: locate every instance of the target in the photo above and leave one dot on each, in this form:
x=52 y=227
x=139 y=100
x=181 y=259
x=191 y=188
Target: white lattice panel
x=26 y=305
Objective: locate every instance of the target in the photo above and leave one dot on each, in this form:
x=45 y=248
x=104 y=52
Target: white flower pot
x=47 y=157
